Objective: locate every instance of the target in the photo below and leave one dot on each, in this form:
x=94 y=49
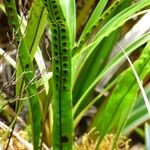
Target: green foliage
x=139 y=113
x=122 y=98
x=61 y=67
x=27 y=67
x=68 y=89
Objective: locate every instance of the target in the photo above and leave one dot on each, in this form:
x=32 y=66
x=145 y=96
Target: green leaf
x=108 y=67
x=25 y=65
x=114 y=24
x=61 y=68
x=69 y=9
x=138 y=115
x=93 y=66
x=33 y=33
x=123 y=97
x=97 y=59
x=120 y=19
x=35 y=26
x=94 y=17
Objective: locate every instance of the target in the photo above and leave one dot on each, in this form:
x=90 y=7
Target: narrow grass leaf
x=109 y=66
x=94 y=17
x=139 y=114
x=93 y=66
x=114 y=23
x=138 y=81
x=122 y=98
x=33 y=33
x=29 y=76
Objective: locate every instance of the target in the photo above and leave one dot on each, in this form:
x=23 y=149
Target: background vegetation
x=74 y=74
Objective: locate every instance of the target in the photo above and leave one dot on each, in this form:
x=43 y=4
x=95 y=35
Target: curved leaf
x=122 y=98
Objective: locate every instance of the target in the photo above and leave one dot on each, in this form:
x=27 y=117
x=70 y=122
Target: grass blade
x=29 y=76
x=122 y=98
x=138 y=81
x=139 y=114
x=109 y=66
x=94 y=18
